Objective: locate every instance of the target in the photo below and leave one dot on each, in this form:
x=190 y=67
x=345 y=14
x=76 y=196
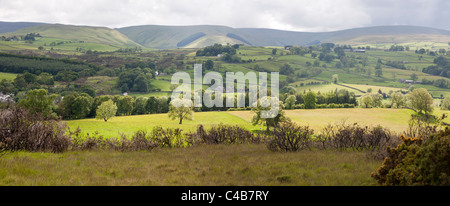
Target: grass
x=206 y=165
x=104 y=84
x=7 y=76
x=128 y=125
x=394 y=119
x=322 y=88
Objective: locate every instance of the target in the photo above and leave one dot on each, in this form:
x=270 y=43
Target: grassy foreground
x=205 y=165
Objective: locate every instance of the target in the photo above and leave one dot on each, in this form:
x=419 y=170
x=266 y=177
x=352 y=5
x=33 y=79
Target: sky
x=295 y=15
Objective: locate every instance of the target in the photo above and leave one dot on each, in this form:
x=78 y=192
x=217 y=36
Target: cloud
x=300 y=15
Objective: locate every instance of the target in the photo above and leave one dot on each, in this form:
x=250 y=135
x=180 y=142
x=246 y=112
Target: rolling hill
x=170 y=37
x=166 y=37
x=6 y=27
x=97 y=35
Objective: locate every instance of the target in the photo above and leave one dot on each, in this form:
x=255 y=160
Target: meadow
x=205 y=165
x=394 y=119
x=7 y=76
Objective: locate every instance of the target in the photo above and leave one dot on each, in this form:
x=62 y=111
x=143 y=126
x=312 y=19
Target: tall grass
x=205 y=165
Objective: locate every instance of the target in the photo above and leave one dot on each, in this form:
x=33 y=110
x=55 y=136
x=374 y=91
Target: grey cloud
x=304 y=15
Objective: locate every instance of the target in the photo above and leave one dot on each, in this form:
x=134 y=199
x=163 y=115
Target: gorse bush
x=290 y=137
x=355 y=137
x=417 y=162
x=20 y=130
x=223 y=134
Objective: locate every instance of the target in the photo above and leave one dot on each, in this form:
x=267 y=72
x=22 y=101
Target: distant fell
x=6 y=27
x=199 y=36
x=99 y=35
x=167 y=37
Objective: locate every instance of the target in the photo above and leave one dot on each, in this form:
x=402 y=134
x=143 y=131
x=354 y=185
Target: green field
x=394 y=119
x=130 y=124
x=7 y=76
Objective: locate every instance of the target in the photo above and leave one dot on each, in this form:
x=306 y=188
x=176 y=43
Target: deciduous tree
x=181 y=109
x=106 y=110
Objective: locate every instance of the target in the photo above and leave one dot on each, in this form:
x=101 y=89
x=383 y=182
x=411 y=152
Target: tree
x=75 y=106
x=414 y=76
x=420 y=100
x=209 y=65
x=97 y=102
x=152 y=105
x=106 y=110
x=335 y=78
x=268 y=122
x=141 y=83
x=441 y=83
x=378 y=70
x=81 y=105
x=445 y=104
x=181 y=109
x=316 y=63
x=88 y=89
x=286 y=69
x=125 y=105
x=274 y=51
x=377 y=99
x=140 y=106
x=398 y=100
x=310 y=100
x=37 y=101
x=290 y=102
x=366 y=101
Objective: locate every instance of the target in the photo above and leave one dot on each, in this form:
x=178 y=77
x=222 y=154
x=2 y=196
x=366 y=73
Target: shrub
x=223 y=134
x=353 y=136
x=417 y=162
x=20 y=130
x=169 y=138
x=290 y=137
x=423 y=125
x=140 y=141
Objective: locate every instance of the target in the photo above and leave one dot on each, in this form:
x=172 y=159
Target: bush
x=417 y=162
x=139 y=141
x=20 y=130
x=423 y=125
x=223 y=134
x=355 y=137
x=290 y=137
x=169 y=138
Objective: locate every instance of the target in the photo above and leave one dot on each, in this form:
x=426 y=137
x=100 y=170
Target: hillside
x=101 y=35
x=198 y=36
x=167 y=37
x=6 y=27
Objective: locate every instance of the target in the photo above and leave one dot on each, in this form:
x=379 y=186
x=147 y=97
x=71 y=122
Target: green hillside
x=66 y=38
x=101 y=35
x=167 y=37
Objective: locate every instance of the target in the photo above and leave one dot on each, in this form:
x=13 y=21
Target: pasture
x=7 y=76
x=394 y=119
x=205 y=165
